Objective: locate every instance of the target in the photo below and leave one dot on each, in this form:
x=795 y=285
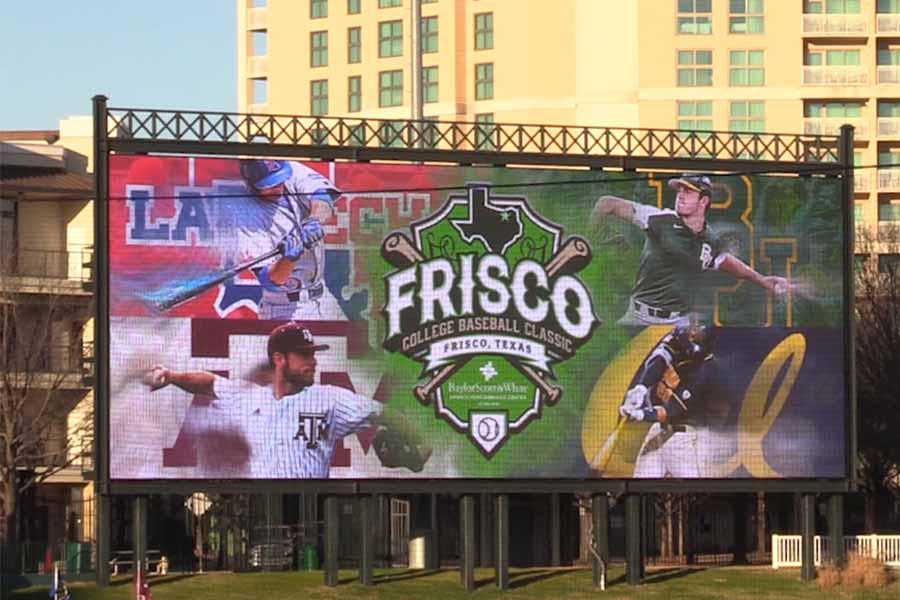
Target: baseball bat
x=422 y=392
x=398 y=250
x=167 y=298
x=552 y=392
x=601 y=459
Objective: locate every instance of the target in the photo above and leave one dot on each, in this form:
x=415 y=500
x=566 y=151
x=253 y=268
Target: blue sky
x=56 y=54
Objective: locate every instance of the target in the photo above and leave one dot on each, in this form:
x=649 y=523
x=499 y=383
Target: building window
x=390 y=38
x=839 y=57
x=485 y=132
x=429 y=84
x=428 y=1
x=695 y=68
x=889 y=56
x=695 y=115
x=260 y=91
x=484 y=31
x=484 y=81
x=260 y=43
x=694 y=17
x=749 y=116
x=746 y=68
x=318 y=9
x=833 y=7
x=354 y=45
x=889 y=213
x=891 y=7
x=318 y=49
x=858 y=214
x=353 y=7
x=389 y=3
x=429 y=33
x=833 y=110
x=354 y=94
x=318 y=96
x=746 y=16
x=390 y=88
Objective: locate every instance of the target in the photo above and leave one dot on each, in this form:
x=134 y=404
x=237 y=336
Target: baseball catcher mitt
x=394 y=450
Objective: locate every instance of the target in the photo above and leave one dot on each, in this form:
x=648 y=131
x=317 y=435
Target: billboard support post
x=139 y=532
x=332 y=539
x=845 y=157
x=633 y=557
x=501 y=559
x=467 y=525
x=836 y=528
x=101 y=336
x=807 y=533
x=367 y=547
x=435 y=556
x=485 y=554
x=599 y=536
x=554 y=529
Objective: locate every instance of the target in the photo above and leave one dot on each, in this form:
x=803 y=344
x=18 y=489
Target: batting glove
x=311 y=233
x=635 y=397
x=292 y=246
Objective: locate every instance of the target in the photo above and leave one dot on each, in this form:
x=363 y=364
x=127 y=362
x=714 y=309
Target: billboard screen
x=286 y=320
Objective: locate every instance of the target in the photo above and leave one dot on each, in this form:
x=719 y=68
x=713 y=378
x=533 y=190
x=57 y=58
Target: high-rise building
x=741 y=65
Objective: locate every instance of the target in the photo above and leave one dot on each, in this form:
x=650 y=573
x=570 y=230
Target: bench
x=152 y=560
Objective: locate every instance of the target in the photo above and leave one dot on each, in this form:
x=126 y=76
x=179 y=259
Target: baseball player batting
x=666 y=395
x=286 y=208
x=679 y=248
x=293 y=425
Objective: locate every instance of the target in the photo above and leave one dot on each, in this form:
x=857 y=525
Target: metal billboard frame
x=146 y=131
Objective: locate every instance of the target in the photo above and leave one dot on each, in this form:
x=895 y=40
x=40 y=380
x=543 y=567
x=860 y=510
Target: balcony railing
x=887 y=74
x=860 y=182
x=832 y=126
x=50 y=264
x=835 y=25
x=889 y=180
x=257 y=18
x=257 y=66
x=887 y=23
x=889 y=127
x=835 y=75
x=889 y=231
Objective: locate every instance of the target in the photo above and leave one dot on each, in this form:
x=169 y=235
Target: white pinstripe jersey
x=304 y=428
x=247 y=407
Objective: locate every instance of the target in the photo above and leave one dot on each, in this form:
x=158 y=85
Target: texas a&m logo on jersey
x=487 y=277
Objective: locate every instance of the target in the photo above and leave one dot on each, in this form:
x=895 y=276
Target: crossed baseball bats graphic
x=573 y=255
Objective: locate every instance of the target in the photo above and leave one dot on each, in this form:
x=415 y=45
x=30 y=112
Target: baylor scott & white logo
x=487 y=277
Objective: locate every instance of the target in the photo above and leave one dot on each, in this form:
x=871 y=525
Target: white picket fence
x=786 y=549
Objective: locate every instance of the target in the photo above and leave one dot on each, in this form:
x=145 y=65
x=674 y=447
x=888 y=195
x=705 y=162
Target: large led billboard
x=284 y=320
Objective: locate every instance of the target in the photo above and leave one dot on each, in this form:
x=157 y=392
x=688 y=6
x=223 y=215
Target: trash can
x=310 y=558
x=421 y=548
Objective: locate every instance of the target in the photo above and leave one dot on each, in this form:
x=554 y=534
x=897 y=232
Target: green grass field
x=722 y=582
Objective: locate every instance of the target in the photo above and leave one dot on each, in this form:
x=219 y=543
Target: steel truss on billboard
x=153 y=131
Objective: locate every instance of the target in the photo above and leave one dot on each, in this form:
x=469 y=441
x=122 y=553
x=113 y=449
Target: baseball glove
x=394 y=451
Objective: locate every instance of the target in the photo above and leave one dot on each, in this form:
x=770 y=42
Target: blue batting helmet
x=265 y=174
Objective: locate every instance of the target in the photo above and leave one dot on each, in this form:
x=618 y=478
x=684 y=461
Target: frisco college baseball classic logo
x=485 y=297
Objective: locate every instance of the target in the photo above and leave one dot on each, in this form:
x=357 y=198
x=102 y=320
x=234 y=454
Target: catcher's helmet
x=265 y=174
x=693 y=342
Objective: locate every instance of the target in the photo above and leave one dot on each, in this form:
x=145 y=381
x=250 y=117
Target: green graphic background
x=798 y=217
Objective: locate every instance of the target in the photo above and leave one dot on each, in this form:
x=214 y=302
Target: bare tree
x=41 y=382
x=877 y=348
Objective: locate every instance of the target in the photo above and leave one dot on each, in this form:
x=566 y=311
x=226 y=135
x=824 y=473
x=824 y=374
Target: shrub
x=829 y=576
x=864 y=571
